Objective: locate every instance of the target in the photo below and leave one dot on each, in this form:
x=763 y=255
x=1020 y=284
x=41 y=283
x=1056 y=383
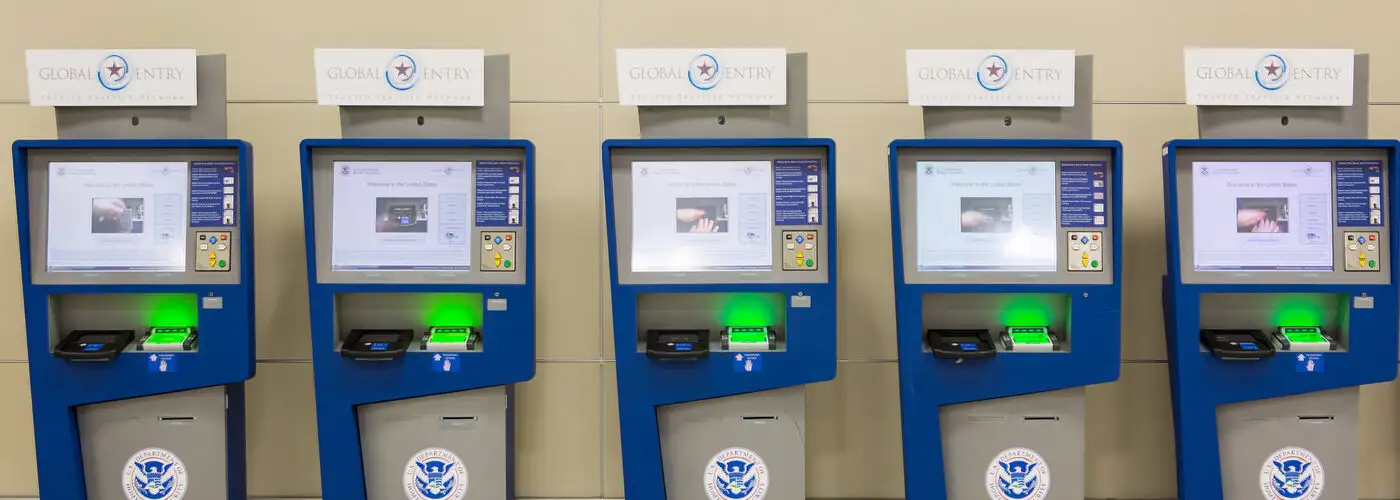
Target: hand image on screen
x=974 y=219
x=1250 y=217
x=1266 y=226
x=108 y=208
x=689 y=214
x=704 y=226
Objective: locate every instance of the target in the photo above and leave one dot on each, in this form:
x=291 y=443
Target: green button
x=809 y=262
x=1372 y=263
x=507 y=263
x=1094 y=264
x=223 y=264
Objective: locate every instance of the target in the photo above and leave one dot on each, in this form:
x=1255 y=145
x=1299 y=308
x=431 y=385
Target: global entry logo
x=993 y=73
x=704 y=72
x=1271 y=72
x=114 y=73
x=401 y=72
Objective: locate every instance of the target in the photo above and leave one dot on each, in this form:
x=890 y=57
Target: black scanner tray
x=678 y=344
x=960 y=344
x=94 y=345
x=376 y=344
x=1237 y=345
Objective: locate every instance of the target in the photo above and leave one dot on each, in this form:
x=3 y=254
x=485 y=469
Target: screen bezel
x=322 y=184
x=620 y=165
x=38 y=161
x=907 y=164
x=1184 y=160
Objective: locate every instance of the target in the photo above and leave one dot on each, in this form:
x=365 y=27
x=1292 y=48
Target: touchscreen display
x=117 y=216
x=702 y=216
x=986 y=215
x=1262 y=216
x=401 y=216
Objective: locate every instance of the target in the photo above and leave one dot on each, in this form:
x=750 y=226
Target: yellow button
x=1085 y=256
x=799 y=255
x=211 y=255
x=1363 y=256
x=1084 y=263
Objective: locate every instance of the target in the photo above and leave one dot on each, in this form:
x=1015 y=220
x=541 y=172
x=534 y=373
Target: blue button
x=1360 y=239
x=1083 y=239
x=498 y=240
x=799 y=239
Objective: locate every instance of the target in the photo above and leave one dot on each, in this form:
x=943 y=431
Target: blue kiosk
x=723 y=273
x=136 y=250
x=420 y=261
x=1276 y=316
x=1007 y=230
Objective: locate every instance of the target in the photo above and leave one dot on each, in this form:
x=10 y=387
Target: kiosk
x=136 y=250
x=420 y=266
x=1276 y=315
x=1006 y=226
x=723 y=273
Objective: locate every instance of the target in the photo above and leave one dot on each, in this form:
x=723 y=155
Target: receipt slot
x=138 y=348
x=419 y=259
x=1008 y=303
x=723 y=277
x=1280 y=300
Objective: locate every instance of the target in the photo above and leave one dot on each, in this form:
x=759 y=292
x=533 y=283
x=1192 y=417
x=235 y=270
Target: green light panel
x=453 y=309
x=1029 y=334
x=167 y=336
x=751 y=309
x=1303 y=334
x=171 y=309
x=448 y=335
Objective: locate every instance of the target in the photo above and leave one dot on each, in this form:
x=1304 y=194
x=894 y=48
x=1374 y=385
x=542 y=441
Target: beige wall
x=565 y=100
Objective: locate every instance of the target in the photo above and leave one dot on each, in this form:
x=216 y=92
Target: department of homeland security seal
x=154 y=474
x=435 y=474
x=1018 y=474
x=1291 y=473
x=736 y=474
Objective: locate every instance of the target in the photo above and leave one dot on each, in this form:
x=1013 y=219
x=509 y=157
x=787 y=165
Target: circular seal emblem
x=435 y=474
x=401 y=72
x=704 y=72
x=114 y=73
x=1271 y=72
x=1291 y=473
x=993 y=73
x=736 y=474
x=154 y=474
x=1018 y=474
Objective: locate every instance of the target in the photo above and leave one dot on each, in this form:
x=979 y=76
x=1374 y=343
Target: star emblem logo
x=115 y=69
x=994 y=70
x=705 y=68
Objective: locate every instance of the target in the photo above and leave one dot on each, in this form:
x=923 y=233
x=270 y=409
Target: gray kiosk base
x=190 y=424
x=474 y=425
x=1048 y=423
x=769 y=424
x=1323 y=423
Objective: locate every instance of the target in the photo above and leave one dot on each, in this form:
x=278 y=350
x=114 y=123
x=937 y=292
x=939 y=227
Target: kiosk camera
x=723 y=273
x=420 y=262
x=1280 y=298
x=137 y=264
x=1006 y=271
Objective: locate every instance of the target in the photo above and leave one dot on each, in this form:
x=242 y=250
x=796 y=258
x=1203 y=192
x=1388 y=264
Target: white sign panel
x=702 y=77
x=111 y=77
x=398 y=77
x=991 y=78
x=1269 y=77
